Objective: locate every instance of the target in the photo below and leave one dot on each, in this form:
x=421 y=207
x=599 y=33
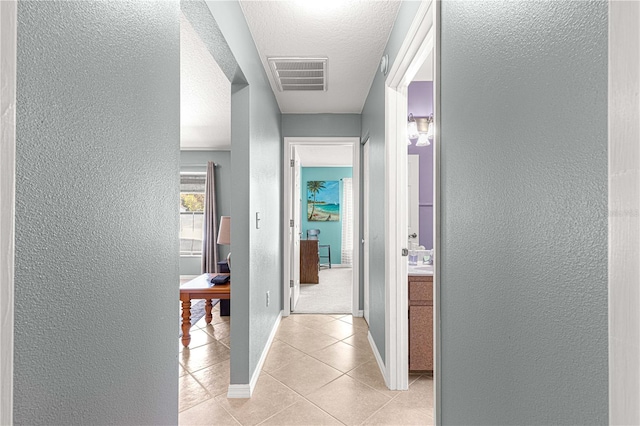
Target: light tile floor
x=320 y=370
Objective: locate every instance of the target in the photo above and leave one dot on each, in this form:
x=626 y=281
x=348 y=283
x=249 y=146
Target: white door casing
x=354 y=143
x=8 y=59
x=295 y=230
x=414 y=51
x=413 y=194
x=365 y=226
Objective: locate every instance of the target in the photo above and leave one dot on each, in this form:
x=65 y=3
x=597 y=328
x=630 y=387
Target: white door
x=365 y=230
x=295 y=230
x=413 y=184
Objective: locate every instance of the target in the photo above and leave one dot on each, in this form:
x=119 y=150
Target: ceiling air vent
x=299 y=73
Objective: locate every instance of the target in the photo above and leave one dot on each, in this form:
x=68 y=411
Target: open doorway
x=420 y=216
x=321 y=254
x=418 y=46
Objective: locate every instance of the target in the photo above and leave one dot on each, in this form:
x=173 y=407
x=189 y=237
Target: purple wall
x=420 y=104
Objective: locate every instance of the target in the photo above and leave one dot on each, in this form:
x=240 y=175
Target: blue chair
x=313 y=234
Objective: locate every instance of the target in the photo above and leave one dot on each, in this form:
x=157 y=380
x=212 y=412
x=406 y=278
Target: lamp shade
x=432 y=130
x=224 y=232
x=412 y=129
x=423 y=140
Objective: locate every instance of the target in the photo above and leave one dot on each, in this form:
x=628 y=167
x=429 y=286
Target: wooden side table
x=200 y=288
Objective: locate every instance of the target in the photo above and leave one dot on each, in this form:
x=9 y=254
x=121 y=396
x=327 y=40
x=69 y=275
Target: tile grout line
x=331 y=366
x=202 y=386
x=212 y=397
x=333 y=380
x=357 y=331
x=303 y=397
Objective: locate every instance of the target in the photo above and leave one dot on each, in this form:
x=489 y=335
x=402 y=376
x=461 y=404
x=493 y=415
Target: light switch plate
x=257 y=220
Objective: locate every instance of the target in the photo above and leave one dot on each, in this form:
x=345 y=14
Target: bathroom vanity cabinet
x=420 y=322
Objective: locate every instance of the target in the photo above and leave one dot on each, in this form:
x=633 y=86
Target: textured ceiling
x=352 y=34
x=205 y=95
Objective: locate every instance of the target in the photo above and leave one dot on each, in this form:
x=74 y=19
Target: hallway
x=320 y=371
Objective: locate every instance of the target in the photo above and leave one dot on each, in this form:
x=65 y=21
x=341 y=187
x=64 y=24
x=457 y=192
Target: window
x=191 y=213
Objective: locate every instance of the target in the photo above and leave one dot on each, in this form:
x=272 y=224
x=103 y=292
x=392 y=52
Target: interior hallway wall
x=256 y=171
x=97 y=163
x=320 y=125
x=373 y=128
x=523 y=281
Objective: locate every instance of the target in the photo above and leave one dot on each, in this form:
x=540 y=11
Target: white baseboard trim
x=359 y=314
x=246 y=390
x=383 y=368
x=239 y=391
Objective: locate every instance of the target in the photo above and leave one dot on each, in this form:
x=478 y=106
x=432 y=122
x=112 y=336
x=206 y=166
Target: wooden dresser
x=420 y=322
x=309 y=262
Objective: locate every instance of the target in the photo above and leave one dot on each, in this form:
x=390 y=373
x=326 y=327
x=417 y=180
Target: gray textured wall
x=256 y=162
x=196 y=161
x=321 y=125
x=373 y=117
x=96 y=283
x=524 y=212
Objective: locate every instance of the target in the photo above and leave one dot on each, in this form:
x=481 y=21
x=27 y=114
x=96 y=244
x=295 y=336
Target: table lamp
x=224 y=235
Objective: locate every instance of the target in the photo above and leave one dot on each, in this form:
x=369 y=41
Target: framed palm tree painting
x=323 y=201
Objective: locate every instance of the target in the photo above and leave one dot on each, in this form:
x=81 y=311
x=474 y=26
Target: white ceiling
x=352 y=34
x=205 y=95
x=325 y=155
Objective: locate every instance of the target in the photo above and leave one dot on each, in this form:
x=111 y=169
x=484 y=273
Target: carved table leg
x=207 y=310
x=186 y=322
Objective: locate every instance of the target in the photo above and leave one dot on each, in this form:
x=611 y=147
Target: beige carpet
x=331 y=296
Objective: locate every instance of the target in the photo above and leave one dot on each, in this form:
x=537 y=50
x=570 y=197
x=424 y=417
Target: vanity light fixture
x=421 y=128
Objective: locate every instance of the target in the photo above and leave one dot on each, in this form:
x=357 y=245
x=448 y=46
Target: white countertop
x=420 y=269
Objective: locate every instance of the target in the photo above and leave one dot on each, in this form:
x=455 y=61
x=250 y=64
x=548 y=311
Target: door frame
x=420 y=41
x=8 y=60
x=354 y=142
x=296 y=204
x=366 y=189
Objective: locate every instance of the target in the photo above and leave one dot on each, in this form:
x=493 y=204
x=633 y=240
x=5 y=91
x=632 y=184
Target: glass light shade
x=412 y=130
x=431 y=132
x=423 y=140
x=224 y=232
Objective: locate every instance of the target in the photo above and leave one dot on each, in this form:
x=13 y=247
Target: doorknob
x=414 y=235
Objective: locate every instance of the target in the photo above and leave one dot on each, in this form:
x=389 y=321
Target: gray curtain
x=210 y=226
